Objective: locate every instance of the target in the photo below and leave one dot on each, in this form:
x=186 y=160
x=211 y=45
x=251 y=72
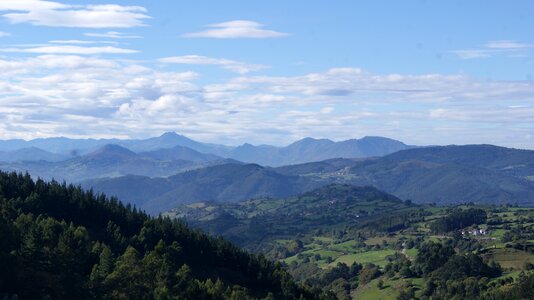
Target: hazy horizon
x=264 y=144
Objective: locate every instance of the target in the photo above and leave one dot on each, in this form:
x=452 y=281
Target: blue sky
x=424 y=72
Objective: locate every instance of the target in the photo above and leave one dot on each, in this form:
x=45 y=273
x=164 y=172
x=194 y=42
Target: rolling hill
x=253 y=222
x=229 y=182
x=515 y=162
x=443 y=175
x=427 y=182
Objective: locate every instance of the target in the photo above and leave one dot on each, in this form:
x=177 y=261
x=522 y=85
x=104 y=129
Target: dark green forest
x=459 y=219
x=58 y=241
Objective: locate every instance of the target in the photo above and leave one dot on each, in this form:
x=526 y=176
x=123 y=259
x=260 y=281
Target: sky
x=269 y=72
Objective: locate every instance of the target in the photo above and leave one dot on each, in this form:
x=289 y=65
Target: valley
x=339 y=226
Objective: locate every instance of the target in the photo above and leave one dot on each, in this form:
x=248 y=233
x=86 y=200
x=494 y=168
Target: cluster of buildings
x=476 y=231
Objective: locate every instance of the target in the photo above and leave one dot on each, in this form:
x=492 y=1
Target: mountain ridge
x=400 y=174
x=113 y=160
x=226 y=182
x=29 y=154
x=304 y=150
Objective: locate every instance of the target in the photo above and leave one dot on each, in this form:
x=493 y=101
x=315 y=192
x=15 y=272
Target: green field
x=510 y=258
x=344 y=246
x=379 y=240
x=374 y=257
x=371 y=290
x=390 y=290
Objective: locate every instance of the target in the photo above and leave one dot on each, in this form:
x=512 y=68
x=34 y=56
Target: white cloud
x=506 y=44
x=4 y=34
x=470 y=54
x=70 y=49
x=80 y=42
x=30 y=4
x=347 y=82
x=509 y=115
x=51 y=63
x=508 y=47
x=56 y=14
x=75 y=42
x=232 y=65
x=236 y=29
x=113 y=35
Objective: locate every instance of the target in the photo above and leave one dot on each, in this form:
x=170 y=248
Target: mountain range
x=309 y=149
x=305 y=150
x=76 y=160
x=160 y=173
x=113 y=161
x=442 y=174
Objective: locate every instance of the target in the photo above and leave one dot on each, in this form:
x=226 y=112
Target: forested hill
x=60 y=242
x=254 y=224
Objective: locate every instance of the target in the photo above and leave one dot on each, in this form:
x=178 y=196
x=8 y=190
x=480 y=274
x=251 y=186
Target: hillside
x=449 y=174
x=29 y=154
x=253 y=222
x=443 y=183
x=61 y=242
x=179 y=153
x=514 y=162
x=442 y=175
x=229 y=182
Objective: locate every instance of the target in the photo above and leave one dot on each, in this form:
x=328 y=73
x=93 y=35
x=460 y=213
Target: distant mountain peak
x=373 y=137
x=310 y=140
x=170 y=134
x=378 y=138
